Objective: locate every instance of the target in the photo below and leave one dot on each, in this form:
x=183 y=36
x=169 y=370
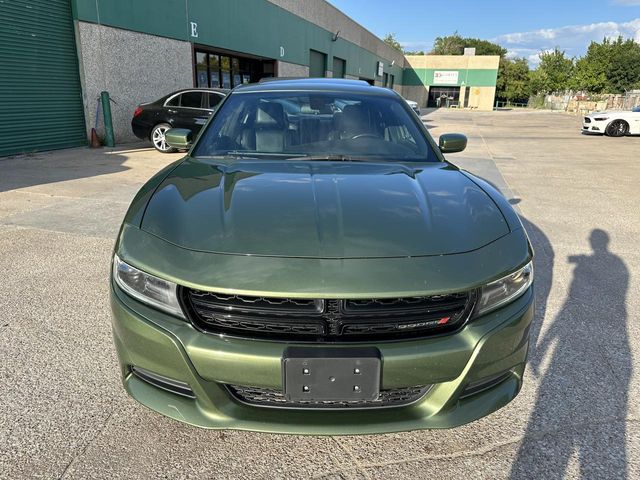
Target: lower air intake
x=265 y=397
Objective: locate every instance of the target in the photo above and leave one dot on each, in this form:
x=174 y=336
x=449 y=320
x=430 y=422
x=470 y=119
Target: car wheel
x=158 y=138
x=617 y=128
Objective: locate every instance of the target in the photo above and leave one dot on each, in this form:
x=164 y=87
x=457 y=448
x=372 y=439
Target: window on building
x=217 y=70
x=202 y=75
x=391 y=80
x=385 y=79
x=214 y=68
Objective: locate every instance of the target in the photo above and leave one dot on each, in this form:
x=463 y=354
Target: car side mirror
x=180 y=138
x=451 y=142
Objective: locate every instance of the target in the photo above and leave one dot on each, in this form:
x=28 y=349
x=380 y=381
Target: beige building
x=462 y=81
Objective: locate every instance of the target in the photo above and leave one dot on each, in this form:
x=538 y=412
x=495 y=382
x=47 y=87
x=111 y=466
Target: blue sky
x=524 y=28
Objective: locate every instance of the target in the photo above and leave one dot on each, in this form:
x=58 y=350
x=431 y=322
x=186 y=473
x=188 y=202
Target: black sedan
x=189 y=108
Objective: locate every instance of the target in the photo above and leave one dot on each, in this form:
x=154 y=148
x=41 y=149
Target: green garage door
x=339 y=67
x=40 y=95
x=317 y=64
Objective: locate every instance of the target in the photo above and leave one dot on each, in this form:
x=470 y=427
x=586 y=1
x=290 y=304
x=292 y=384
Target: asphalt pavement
x=64 y=414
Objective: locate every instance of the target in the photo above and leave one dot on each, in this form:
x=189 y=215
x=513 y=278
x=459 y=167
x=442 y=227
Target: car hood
x=322 y=209
x=610 y=112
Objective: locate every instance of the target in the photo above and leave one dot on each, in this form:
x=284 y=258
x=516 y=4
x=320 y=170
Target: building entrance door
x=441 y=97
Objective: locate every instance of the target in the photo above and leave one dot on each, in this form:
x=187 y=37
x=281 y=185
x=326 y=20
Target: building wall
x=417 y=93
x=281 y=30
x=140 y=50
x=477 y=72
x=133 y=67
x=325 y=15
x=285 y=69
x=482 y=98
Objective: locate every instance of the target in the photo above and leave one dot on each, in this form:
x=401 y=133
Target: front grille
x=327 y=320
x=265 y=397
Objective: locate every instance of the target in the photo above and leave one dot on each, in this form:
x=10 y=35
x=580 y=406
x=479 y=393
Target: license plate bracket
x=331 y=374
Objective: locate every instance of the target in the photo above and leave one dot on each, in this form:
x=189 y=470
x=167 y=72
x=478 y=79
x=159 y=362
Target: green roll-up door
x=317 y=64
x=40 y=94
x=339 y=67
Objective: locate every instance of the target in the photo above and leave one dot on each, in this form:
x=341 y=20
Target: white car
x=413 y=105
x=614 y=123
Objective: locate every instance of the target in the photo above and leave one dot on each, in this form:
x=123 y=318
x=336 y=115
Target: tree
x=622 y=64
x=390 y=39
x=538 y=81
x=612 y=66
x=449 y=45
x=455 y=45
x=513 y=80
x=589 y=77
x=554 y=72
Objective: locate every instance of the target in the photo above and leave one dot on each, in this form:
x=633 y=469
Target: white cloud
x=574 y=39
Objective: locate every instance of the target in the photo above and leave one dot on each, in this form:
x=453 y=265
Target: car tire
x=617 y=128
x=158 y=139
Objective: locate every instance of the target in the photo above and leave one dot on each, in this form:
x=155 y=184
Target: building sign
x=380 y=68
x=445 y=77
x=194 y=29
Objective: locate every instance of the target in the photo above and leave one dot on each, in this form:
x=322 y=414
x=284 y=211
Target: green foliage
x=390 y=39
x=537 y=81
x=455 y=45
x=588 y=77
x=612 y=66
x=536 y=101
x=513 y=80
x=554 y=72
x=621 y=62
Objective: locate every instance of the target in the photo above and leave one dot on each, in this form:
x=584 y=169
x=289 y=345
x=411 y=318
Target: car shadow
x=583 y=364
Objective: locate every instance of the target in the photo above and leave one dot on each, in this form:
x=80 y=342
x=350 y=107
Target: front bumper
x=159 y=343
x=594 y=126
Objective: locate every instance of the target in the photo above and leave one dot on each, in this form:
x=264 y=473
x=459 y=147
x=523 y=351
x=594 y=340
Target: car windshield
x=317 y=126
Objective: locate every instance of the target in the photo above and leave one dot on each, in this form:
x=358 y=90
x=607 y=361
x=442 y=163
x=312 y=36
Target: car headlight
x=601 y=119
x=151 y=290
x=496 y=294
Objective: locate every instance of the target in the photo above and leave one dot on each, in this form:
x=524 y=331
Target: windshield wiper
x=243 y=154
x=328 y=158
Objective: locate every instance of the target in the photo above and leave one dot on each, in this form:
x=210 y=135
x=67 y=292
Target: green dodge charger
x=314 y=265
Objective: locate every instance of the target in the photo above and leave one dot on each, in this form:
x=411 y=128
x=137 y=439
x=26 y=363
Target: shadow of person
x=583 y=362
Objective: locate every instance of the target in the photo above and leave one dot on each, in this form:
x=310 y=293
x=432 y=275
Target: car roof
x=201 y=89
x=314 y=84
x=161 y=100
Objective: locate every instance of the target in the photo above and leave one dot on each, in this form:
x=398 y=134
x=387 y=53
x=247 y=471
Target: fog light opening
x=485 y=384
x=165 y=383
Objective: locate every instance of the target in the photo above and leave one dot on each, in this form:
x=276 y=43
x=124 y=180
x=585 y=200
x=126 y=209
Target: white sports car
x=614 y=123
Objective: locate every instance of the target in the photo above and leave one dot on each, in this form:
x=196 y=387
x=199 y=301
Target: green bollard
x=108 y=124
